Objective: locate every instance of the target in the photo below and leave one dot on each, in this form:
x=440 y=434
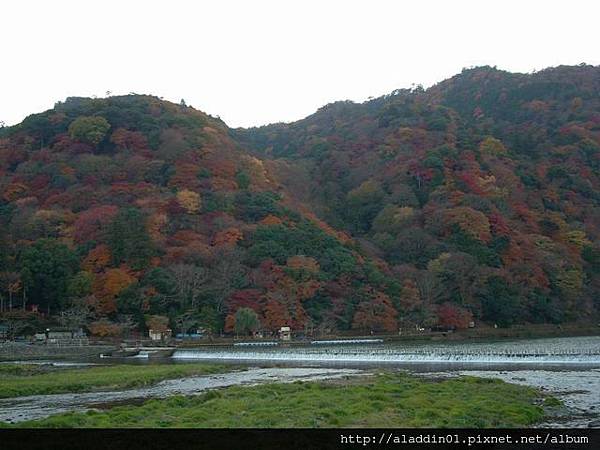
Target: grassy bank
x=385 y=400
x=24 y=379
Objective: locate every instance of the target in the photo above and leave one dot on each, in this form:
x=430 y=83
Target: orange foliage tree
x=105 y=328
x=228 y=237
x=14 y=191
x=129 y=140
x=108 y=286
x=471 y=221
x=189 y=200
x=97 y=259
x=304 y=264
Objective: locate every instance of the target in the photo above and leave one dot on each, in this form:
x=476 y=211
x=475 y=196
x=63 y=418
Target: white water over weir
x=585 y=351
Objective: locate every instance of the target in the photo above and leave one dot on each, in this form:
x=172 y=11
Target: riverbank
x=13 y=351
x=530 y=331
x=18 y=351
x=22 y=379
x=387 y=399
x=579 y=392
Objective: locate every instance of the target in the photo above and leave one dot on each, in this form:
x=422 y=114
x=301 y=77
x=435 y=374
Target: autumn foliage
x=375 y=313
x=475 y=200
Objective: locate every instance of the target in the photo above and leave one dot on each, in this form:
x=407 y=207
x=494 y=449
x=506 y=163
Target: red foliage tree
x=498 y=225
x=275 y=315
x=129 y=140
x=375 y=313
x=245 y=298
x=91 y=224
x=453 y=316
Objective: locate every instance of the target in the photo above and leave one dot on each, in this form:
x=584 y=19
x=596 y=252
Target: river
x=568 y=368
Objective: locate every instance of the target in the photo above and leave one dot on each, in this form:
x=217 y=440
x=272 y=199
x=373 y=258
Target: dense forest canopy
x=476 y=199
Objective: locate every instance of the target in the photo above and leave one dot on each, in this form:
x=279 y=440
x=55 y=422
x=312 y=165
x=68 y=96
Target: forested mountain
x=475 y=199
x=131 y=212
x=481 y=193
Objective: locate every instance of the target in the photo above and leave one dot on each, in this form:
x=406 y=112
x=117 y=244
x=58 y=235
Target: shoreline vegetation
x=387 y=399
x=17 y=380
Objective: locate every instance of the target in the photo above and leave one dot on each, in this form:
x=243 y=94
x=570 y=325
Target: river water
x=578 y=389
x=559 y=352
x=568 y=368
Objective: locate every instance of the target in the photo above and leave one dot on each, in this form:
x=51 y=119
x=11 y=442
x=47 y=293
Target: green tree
x=591 y=255
x=46 y=268
x=393 y=219
x=128 y=239
x=80 y=285
x=209 y=319
x=281 y=241
x=246 y=321
x=362 y=205
x=500 y=302
x=543 y=308
x=243 y=179
x=254 y=206
x=89 y=129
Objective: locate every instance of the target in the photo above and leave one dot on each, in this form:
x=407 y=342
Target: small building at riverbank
x=285 y=333
x=62 y=337
x=160 y=335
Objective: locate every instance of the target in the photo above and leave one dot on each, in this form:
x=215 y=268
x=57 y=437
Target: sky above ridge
x=258 y=62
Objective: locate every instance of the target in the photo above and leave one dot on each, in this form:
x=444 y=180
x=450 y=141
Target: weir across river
x=580 y=350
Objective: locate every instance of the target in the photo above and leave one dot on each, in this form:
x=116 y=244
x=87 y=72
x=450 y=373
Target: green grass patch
x=18 y=380
x=385 y=400
x=7 y=369
x=552 y=402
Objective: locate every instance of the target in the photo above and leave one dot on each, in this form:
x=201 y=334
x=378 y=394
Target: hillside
x=475 y=199
x=481 y=192
x=130 y=213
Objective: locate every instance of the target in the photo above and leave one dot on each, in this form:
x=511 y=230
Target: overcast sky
x=256 y=62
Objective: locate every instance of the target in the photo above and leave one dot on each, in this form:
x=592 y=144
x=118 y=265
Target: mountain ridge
x=476 y=199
